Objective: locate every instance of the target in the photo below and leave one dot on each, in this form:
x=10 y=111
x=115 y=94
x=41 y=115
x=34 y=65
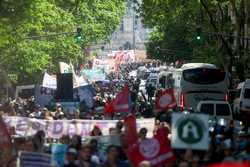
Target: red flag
x=5 y=143
x=165 y=100
x=230 y=164
x=156 y=150
x=108 y=108
x=121 y=103
x=130 y=134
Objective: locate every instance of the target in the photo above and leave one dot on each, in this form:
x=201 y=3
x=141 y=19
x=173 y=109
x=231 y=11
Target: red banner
x=230 y=164
x=165 y=100
x=130 y=135
x=5 y=143
x=121 y=103
x=5 y=139
x=156 y=150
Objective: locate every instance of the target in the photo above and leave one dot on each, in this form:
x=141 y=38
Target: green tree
x=174 y=25
x=224 y=23
x=28 y=57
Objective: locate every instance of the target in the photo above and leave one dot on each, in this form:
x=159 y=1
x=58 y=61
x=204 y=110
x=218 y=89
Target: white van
x=218 y=109
x=242 y=103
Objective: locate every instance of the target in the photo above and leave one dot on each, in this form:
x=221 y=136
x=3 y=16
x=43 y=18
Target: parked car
x=216 y=109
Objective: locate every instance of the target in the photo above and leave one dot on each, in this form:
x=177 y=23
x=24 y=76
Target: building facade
x=131 y=34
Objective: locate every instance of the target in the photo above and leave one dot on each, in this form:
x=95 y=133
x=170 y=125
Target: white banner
x=49 y=81
x=57 y=128
x=64 y=68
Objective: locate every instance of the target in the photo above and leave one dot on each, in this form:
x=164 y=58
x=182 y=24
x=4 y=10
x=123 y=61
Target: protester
x=85 y=157
x=76 y=142
x=96 y=131
x=113 y=158
x=225 y=144
x=58 y=113
x=36 y=112
x=47 y=114
x=71 y=157
x=143 y=133
x=145 y=164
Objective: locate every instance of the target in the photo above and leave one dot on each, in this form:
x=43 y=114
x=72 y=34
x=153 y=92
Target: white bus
x=195 y=82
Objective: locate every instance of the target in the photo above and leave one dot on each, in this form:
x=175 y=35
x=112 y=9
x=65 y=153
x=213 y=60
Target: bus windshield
x=204 y=75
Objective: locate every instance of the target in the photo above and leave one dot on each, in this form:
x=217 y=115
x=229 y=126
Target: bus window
x=247 y=94
x=222 y=109
x=203 y=75
x=207 y=109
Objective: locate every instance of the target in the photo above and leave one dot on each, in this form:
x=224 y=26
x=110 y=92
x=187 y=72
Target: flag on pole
x=165 y=100
x=122 y=101
x=5 y=143
x=231 y=164
x=156 y=150
x=130 y=134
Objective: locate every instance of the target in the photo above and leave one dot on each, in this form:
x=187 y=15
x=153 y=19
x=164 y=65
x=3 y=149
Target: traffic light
x=78 y=34
x=198 y=31
x=158 y=50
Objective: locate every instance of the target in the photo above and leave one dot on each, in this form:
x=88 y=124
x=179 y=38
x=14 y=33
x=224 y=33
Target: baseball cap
x=72 y=151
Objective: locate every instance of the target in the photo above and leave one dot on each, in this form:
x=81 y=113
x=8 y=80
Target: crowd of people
x=225 y=146
x=226 y=143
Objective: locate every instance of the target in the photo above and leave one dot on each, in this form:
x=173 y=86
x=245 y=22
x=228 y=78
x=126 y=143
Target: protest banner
x=86 y=94
x=165 y=100
x=49 y=81
x=93 y=74
x=57 y=128
x=121 y=103
x=231 y=164
x=5 y=143
x=43 y=95
x=28 y=159
x=58 y=154
x=156 y=150
x=65 y=68
x=190 y=131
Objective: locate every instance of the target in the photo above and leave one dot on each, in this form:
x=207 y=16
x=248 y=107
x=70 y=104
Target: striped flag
x=33 y=159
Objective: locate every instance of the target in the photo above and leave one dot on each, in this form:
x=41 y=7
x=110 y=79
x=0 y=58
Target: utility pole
x=133 y=7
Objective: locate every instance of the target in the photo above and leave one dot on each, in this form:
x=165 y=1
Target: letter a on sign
x=189 y=131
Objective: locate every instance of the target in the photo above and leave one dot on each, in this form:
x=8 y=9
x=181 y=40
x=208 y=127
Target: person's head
x=76 y=141
x=112 y=152
x=184 y=164
x=37 y=108
x=71 y=155
x=93 y=143
x=96 y=131
x=65 y=139
x=38 y=140
x=143 y=133
x=85 y=153
x=119 y=126
x=59 y=109
x=45 y=112
x=145 y=164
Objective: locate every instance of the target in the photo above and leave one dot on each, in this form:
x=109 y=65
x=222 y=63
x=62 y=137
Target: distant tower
x=131 y=34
